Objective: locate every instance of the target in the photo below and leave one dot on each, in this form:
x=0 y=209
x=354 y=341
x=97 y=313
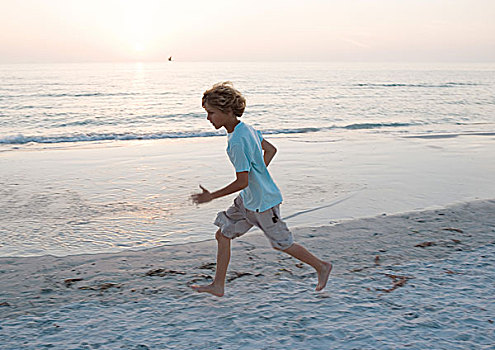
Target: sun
x=139 y=47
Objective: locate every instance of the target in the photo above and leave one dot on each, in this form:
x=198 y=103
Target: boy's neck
x=231 y=126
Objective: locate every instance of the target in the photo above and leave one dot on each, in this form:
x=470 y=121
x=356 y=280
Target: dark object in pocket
x=274 y=218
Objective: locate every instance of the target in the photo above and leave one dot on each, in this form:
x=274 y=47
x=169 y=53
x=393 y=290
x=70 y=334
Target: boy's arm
x=270 y=151
x=240 y=183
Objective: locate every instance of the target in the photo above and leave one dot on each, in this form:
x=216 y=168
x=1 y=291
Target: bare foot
x=210 y=288
x=323 y=275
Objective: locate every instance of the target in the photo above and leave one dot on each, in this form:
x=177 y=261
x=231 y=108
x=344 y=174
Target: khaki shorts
x=237 y=220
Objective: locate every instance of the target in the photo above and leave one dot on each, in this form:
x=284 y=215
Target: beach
x=401 y=281
x=386 y=171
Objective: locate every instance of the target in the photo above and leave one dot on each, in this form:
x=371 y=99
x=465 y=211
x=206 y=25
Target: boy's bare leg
x=323 y=268
x=223 y=258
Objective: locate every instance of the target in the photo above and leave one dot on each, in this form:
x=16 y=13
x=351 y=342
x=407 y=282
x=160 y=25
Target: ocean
x=102 y=157
x=60 y=103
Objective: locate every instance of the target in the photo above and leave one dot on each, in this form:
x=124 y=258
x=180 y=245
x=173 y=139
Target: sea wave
x=376 y=125
x=144 y=118
x=420 y=85
x=450 y=135
x=87 y=94
x=20 y=139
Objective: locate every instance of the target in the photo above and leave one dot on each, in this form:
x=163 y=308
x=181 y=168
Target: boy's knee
x=283 y=248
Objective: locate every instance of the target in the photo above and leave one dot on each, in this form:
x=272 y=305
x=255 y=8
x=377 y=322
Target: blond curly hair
x=224 y=97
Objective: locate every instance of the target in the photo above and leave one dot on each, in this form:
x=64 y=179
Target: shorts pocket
x=268 y=219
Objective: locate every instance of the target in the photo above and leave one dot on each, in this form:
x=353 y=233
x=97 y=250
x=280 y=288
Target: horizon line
x=251 y=61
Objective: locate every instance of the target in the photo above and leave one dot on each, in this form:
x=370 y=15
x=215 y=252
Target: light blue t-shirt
x=245 y=153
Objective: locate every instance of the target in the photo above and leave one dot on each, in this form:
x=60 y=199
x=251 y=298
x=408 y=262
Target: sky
x=39 y=31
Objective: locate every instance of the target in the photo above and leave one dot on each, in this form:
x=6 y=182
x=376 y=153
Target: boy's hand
x=203 y=197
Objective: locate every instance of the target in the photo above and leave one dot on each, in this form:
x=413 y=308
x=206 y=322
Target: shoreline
x=255 y=230
x=356 y=232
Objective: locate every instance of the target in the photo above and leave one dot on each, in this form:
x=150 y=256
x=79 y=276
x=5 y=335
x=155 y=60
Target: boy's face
x=216 y=117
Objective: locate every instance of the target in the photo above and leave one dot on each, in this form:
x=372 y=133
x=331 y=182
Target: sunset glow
x=220 y=30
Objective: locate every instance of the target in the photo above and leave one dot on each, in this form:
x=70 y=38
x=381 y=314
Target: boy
x=258 y=203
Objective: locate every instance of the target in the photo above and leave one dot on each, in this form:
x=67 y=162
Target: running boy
x=259 y=201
